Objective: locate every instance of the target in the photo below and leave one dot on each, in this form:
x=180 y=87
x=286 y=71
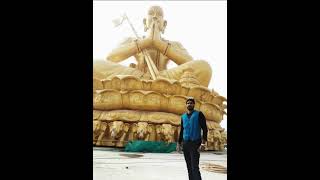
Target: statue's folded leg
x=201 y=69
x=108 y=69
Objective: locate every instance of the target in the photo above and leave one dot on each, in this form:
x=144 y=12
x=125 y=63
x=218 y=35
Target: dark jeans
x=192 y=155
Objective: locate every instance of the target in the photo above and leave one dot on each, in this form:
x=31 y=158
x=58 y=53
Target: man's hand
x=204 y=142
x=203 y=145
x=179 y=147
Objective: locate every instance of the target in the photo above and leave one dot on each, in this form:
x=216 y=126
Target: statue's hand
x=156 y=32
x=146 y=43
x=157 y=42
x=151 y=32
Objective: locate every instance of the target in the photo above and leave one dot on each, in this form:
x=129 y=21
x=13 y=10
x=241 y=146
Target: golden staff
x=151 y=66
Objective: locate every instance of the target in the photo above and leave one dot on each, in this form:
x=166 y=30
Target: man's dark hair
x=190 y=99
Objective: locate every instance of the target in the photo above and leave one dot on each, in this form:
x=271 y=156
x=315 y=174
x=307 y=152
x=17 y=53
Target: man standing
x=191 y=124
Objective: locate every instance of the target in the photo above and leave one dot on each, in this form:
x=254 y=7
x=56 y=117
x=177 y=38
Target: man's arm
x=203 y=125
x=181 y=132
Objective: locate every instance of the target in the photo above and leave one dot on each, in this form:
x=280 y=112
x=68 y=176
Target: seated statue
x=147 y=98
x=160 y=51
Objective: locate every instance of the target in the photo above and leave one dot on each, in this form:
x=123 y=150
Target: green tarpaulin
x=150 y=146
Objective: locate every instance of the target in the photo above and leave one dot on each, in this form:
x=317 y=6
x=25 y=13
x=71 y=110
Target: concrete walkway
x=114 y=164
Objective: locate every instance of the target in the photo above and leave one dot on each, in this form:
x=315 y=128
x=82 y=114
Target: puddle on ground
x=131 y=155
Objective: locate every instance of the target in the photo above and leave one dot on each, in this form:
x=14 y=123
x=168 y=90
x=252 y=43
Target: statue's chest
x=158 y=59
x=154 y=54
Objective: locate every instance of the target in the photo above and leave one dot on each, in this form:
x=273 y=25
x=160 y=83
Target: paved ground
x=114 y=164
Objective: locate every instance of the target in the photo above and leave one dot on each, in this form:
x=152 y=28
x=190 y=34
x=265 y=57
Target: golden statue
x=147 y=97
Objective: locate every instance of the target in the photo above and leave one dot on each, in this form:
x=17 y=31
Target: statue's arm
x=128 y=48
x=174 y=51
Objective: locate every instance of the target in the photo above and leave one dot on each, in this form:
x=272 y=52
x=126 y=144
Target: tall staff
x=151 y=66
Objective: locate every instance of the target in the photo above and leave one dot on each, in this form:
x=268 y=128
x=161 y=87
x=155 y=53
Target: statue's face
x=115 y=128
x=210 y=135
x=142 y=129
x=168 y=132
x=155 y=15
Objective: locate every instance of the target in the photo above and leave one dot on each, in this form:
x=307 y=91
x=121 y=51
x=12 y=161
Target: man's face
x=190 y=105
